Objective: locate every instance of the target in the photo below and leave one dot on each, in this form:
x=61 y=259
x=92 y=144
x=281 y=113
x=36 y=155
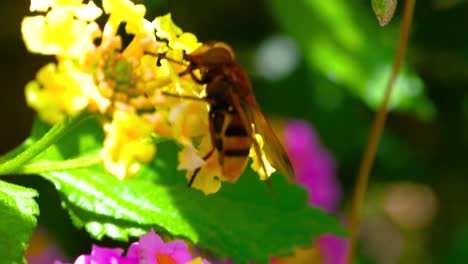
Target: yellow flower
x=196 y=261
x=208 y=177
x=124 y=145
x=124 y=11
x=126 y=86
x=64 y=31
x=189 y=119
x=44 y=5
x=166 y=29
x=177 y=39
x=189 y=159
x=154 y=78
x=40 y=5
x=59 y=91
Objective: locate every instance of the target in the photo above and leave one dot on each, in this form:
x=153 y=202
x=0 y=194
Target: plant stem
x=376 y=132
x=17 y=150
x=48 y=166
x=55 y=133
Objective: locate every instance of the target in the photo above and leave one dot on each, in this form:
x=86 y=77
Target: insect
x=234 y=115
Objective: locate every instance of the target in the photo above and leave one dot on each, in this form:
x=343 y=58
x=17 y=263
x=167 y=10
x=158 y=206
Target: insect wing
x=274 y=150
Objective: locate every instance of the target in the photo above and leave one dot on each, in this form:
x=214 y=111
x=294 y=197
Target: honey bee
x=234 y=115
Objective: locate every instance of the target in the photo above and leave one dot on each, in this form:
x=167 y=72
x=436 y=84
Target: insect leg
x=205 y=158
x=163 y=56
x=189 y=70
x=194 y=77
x=165 y=40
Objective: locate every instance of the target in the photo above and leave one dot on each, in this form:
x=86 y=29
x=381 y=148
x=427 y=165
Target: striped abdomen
x=231 y=140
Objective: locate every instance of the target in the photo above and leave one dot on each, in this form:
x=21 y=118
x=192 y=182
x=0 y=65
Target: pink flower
x=150 y=249
x=315 y=170
x=313 y=164
x=332 y=249
x=100 y=255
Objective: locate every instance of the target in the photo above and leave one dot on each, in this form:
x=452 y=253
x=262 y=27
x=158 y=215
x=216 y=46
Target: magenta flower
x=150 y=249
x=315 y=170
x=100 y=255
x=314 y=165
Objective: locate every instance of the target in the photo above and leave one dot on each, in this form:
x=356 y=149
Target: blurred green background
x=326 y=62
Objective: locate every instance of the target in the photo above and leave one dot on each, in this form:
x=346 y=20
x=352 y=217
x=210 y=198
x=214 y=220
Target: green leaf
x=18 y=212
x=384 y=10
x=341 y=41
x=243 y=221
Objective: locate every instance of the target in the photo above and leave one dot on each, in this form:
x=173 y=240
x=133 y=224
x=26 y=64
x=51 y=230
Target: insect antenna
x=163 y=55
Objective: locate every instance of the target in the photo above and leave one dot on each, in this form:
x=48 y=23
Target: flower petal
x=58 y=33
x=124 y=148
x=88 y=12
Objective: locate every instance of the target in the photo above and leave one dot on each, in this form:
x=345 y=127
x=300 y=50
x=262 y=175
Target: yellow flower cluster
x=123 y=85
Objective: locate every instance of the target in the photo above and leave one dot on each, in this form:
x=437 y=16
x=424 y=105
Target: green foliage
x=342 y=42
x=18 y=212
x=446 y=4
x=457 y=249
x=384 y=10
x=243 y=221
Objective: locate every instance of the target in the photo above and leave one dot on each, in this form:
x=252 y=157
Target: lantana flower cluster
x=122 y=85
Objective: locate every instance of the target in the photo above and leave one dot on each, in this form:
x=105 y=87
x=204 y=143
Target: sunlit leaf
x=18 y=212
x=243 y=221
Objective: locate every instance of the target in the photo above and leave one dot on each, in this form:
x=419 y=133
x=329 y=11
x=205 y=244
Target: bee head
x=212 y=55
